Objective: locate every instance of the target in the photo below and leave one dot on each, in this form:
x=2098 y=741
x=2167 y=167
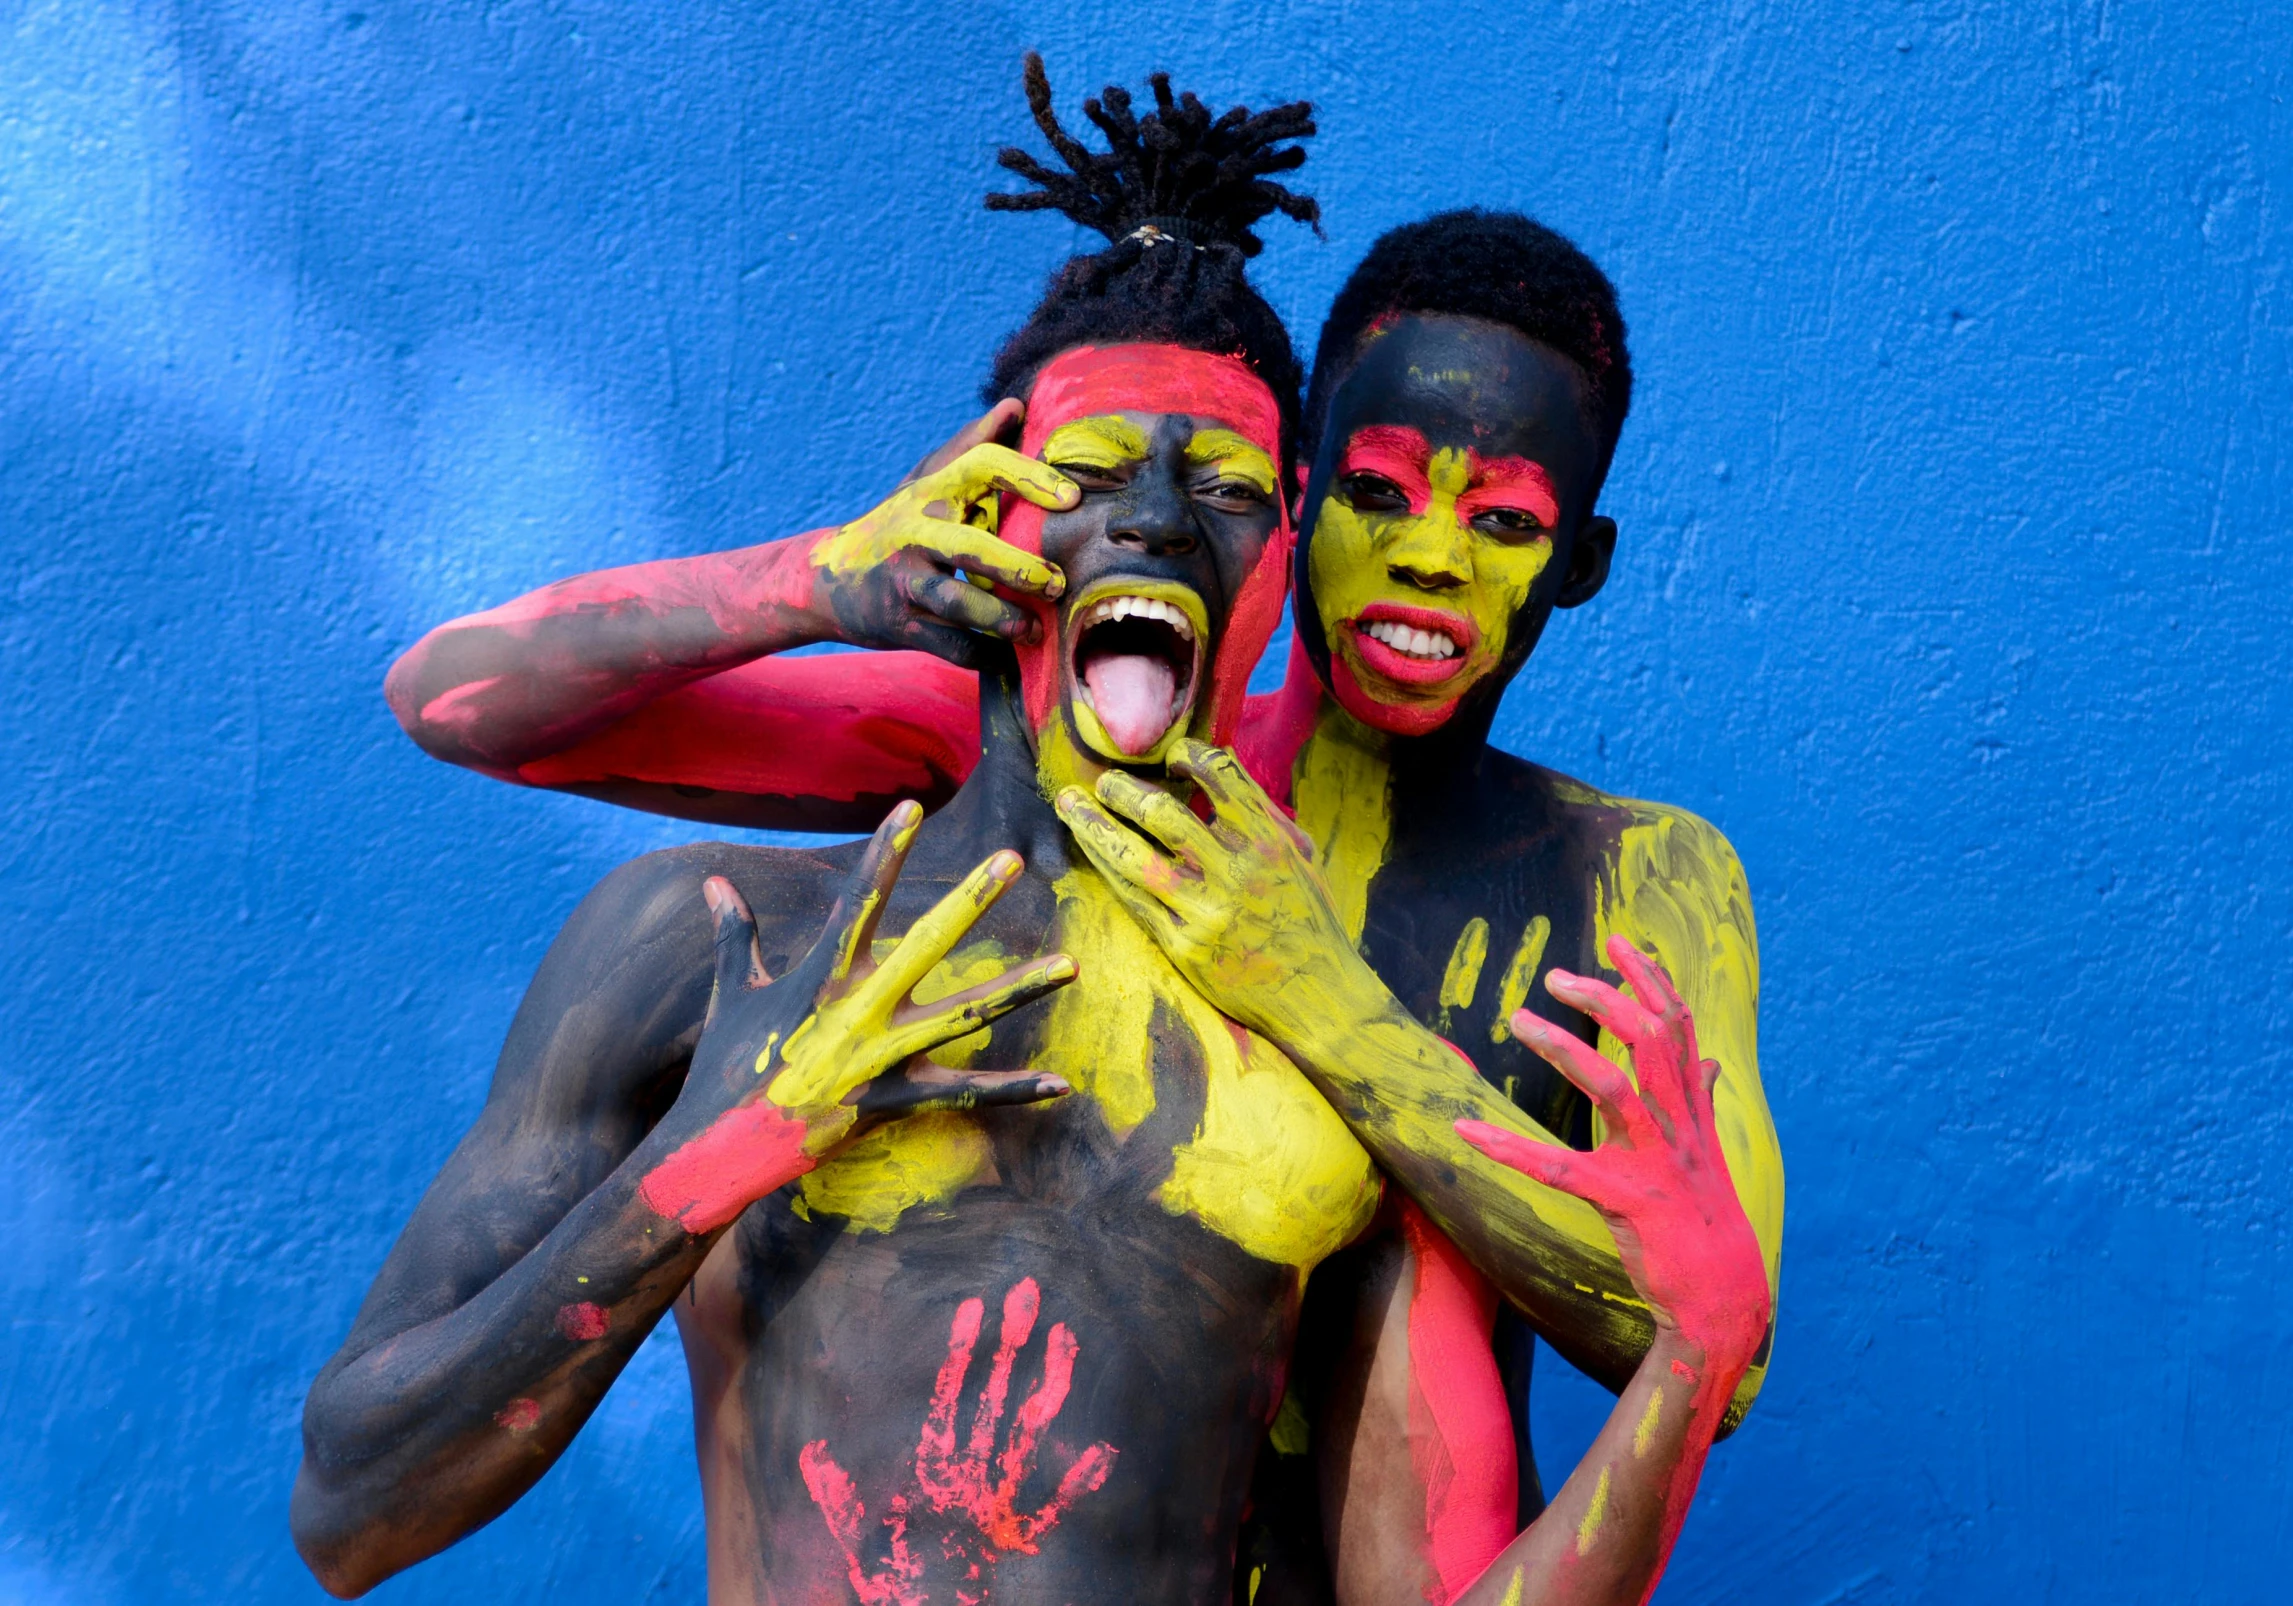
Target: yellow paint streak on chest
x=1463 y=977
x=1677 y=891
x=1344 y=792
x=1270 y=1166
x=1513 y=991
x=919 y=1159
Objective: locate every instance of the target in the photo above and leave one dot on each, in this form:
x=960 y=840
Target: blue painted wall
x=1953 y=586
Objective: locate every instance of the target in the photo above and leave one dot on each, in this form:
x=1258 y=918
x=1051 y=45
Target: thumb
x=739 y=963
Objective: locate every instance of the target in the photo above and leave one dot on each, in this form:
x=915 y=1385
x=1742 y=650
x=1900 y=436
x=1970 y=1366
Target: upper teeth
x=1139 y=608
x=1416 y=643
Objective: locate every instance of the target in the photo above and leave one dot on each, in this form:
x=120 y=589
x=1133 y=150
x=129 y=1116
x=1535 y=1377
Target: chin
x=1134 y=652
x=1396 y=716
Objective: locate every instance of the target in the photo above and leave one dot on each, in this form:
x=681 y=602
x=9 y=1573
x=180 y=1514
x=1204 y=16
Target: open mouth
x=1414 y=646
x=1136 y=660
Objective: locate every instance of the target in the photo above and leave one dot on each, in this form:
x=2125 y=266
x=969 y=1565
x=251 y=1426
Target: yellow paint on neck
x=1343 y=787
x=1513 y=991
x=1463 y=977
x=1594 y=1515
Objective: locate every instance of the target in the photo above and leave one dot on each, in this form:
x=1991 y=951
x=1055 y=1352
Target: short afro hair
x=1176 y=193
x=1503 y=267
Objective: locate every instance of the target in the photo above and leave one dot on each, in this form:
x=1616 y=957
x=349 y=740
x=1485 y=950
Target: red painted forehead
x=1088 y=381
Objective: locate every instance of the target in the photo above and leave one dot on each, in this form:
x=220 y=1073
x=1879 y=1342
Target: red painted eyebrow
x=1401 y=454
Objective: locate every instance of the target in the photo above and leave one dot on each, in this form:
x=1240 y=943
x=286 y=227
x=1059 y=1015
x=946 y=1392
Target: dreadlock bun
x=1178 y=193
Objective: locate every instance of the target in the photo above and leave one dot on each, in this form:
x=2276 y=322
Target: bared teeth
x=1431 y=644
x=1111 y=608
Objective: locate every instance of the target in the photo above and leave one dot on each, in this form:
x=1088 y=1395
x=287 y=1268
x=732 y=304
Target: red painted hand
x=1659 y=1176
x=967 y=1497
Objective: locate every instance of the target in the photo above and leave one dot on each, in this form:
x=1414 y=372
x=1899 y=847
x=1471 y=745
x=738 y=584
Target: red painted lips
x=1407 y=668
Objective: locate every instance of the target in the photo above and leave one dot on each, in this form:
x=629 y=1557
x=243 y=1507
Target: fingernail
x=1005 y=865
x=1061 y=969
x=908 y=812
x=713 y=896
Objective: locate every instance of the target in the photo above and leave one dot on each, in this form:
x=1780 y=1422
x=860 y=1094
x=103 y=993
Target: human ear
x=1588 y=563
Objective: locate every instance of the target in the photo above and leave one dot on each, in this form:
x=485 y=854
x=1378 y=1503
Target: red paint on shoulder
x=1460 y=1429
x=749 y=1151
x=583 y=1321
x=521 y=1415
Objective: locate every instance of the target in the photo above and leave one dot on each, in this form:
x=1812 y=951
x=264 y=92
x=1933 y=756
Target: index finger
x=927 y=942
x=992 y=467
x=1651 y=983
x=1221 y=776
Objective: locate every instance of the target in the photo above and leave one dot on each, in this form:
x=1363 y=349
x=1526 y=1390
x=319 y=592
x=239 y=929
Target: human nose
x=1152 y=517
x=1429 y=553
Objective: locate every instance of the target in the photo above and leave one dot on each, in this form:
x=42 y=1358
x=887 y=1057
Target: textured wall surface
x=1954 y=587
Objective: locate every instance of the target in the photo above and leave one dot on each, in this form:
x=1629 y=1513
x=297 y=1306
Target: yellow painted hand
x=1235 y=901
x=896 y=576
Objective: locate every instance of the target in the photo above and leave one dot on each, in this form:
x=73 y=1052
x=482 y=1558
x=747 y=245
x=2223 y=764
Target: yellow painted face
x=1421 y=558
x=1174 y=515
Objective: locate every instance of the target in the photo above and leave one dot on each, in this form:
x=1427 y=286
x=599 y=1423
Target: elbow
x=341 y=1550
x=440 y=719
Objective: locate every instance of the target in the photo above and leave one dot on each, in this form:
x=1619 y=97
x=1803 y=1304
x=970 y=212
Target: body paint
x=1460 y=1428
x=1270 y=1166
x=584 y=1322
x=745 y=1153
x=1513 y=991
x=918 y=1160
x=1676 y=891
x=1091 y=381
x=521 y=1415
x=965 y=1498
x=1368 y=564
x=1344 y=797
x=1462 y=979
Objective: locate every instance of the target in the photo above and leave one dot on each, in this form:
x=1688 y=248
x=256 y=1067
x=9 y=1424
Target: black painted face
x=1449 y=512
x=1175 y=514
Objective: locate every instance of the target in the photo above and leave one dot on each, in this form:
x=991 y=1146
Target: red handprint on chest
x=958 y=1515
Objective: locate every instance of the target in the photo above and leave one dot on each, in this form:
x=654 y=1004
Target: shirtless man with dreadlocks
x=716 y=1101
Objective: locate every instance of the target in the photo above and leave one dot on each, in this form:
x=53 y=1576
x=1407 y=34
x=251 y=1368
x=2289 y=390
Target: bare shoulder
x=1646 y=852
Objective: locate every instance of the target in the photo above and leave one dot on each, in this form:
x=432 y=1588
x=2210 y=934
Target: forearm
x=416 y=1440
x=1604 y=1539
x=519 y=682
x=1402 y=1090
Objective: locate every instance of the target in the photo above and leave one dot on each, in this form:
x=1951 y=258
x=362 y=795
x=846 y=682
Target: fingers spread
x=1548 y=1163
x=1221 y=776
x=1120 y=852
x=1651 y=984
x=927 y=941
x=1586 y=1067
x=925 y=1086
x=943 y=1020
x=739 y=964
x=1605 y=1005
x=1156 y=812
x=854 y=918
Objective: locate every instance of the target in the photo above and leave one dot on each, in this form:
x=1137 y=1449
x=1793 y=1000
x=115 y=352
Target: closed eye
x=1095 y=476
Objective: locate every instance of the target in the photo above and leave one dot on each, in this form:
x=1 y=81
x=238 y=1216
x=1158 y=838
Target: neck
x=1432 y=773
x=1003 y=804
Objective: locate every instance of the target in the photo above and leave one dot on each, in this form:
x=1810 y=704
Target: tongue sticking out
x=1131 y=693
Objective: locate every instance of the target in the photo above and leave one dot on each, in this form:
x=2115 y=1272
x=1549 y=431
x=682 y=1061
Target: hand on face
x=1235 y=902
x=889 y=578
x=787 y=1071
x=1659 y=1177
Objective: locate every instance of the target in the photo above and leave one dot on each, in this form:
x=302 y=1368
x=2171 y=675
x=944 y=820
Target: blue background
x=1953 y=587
